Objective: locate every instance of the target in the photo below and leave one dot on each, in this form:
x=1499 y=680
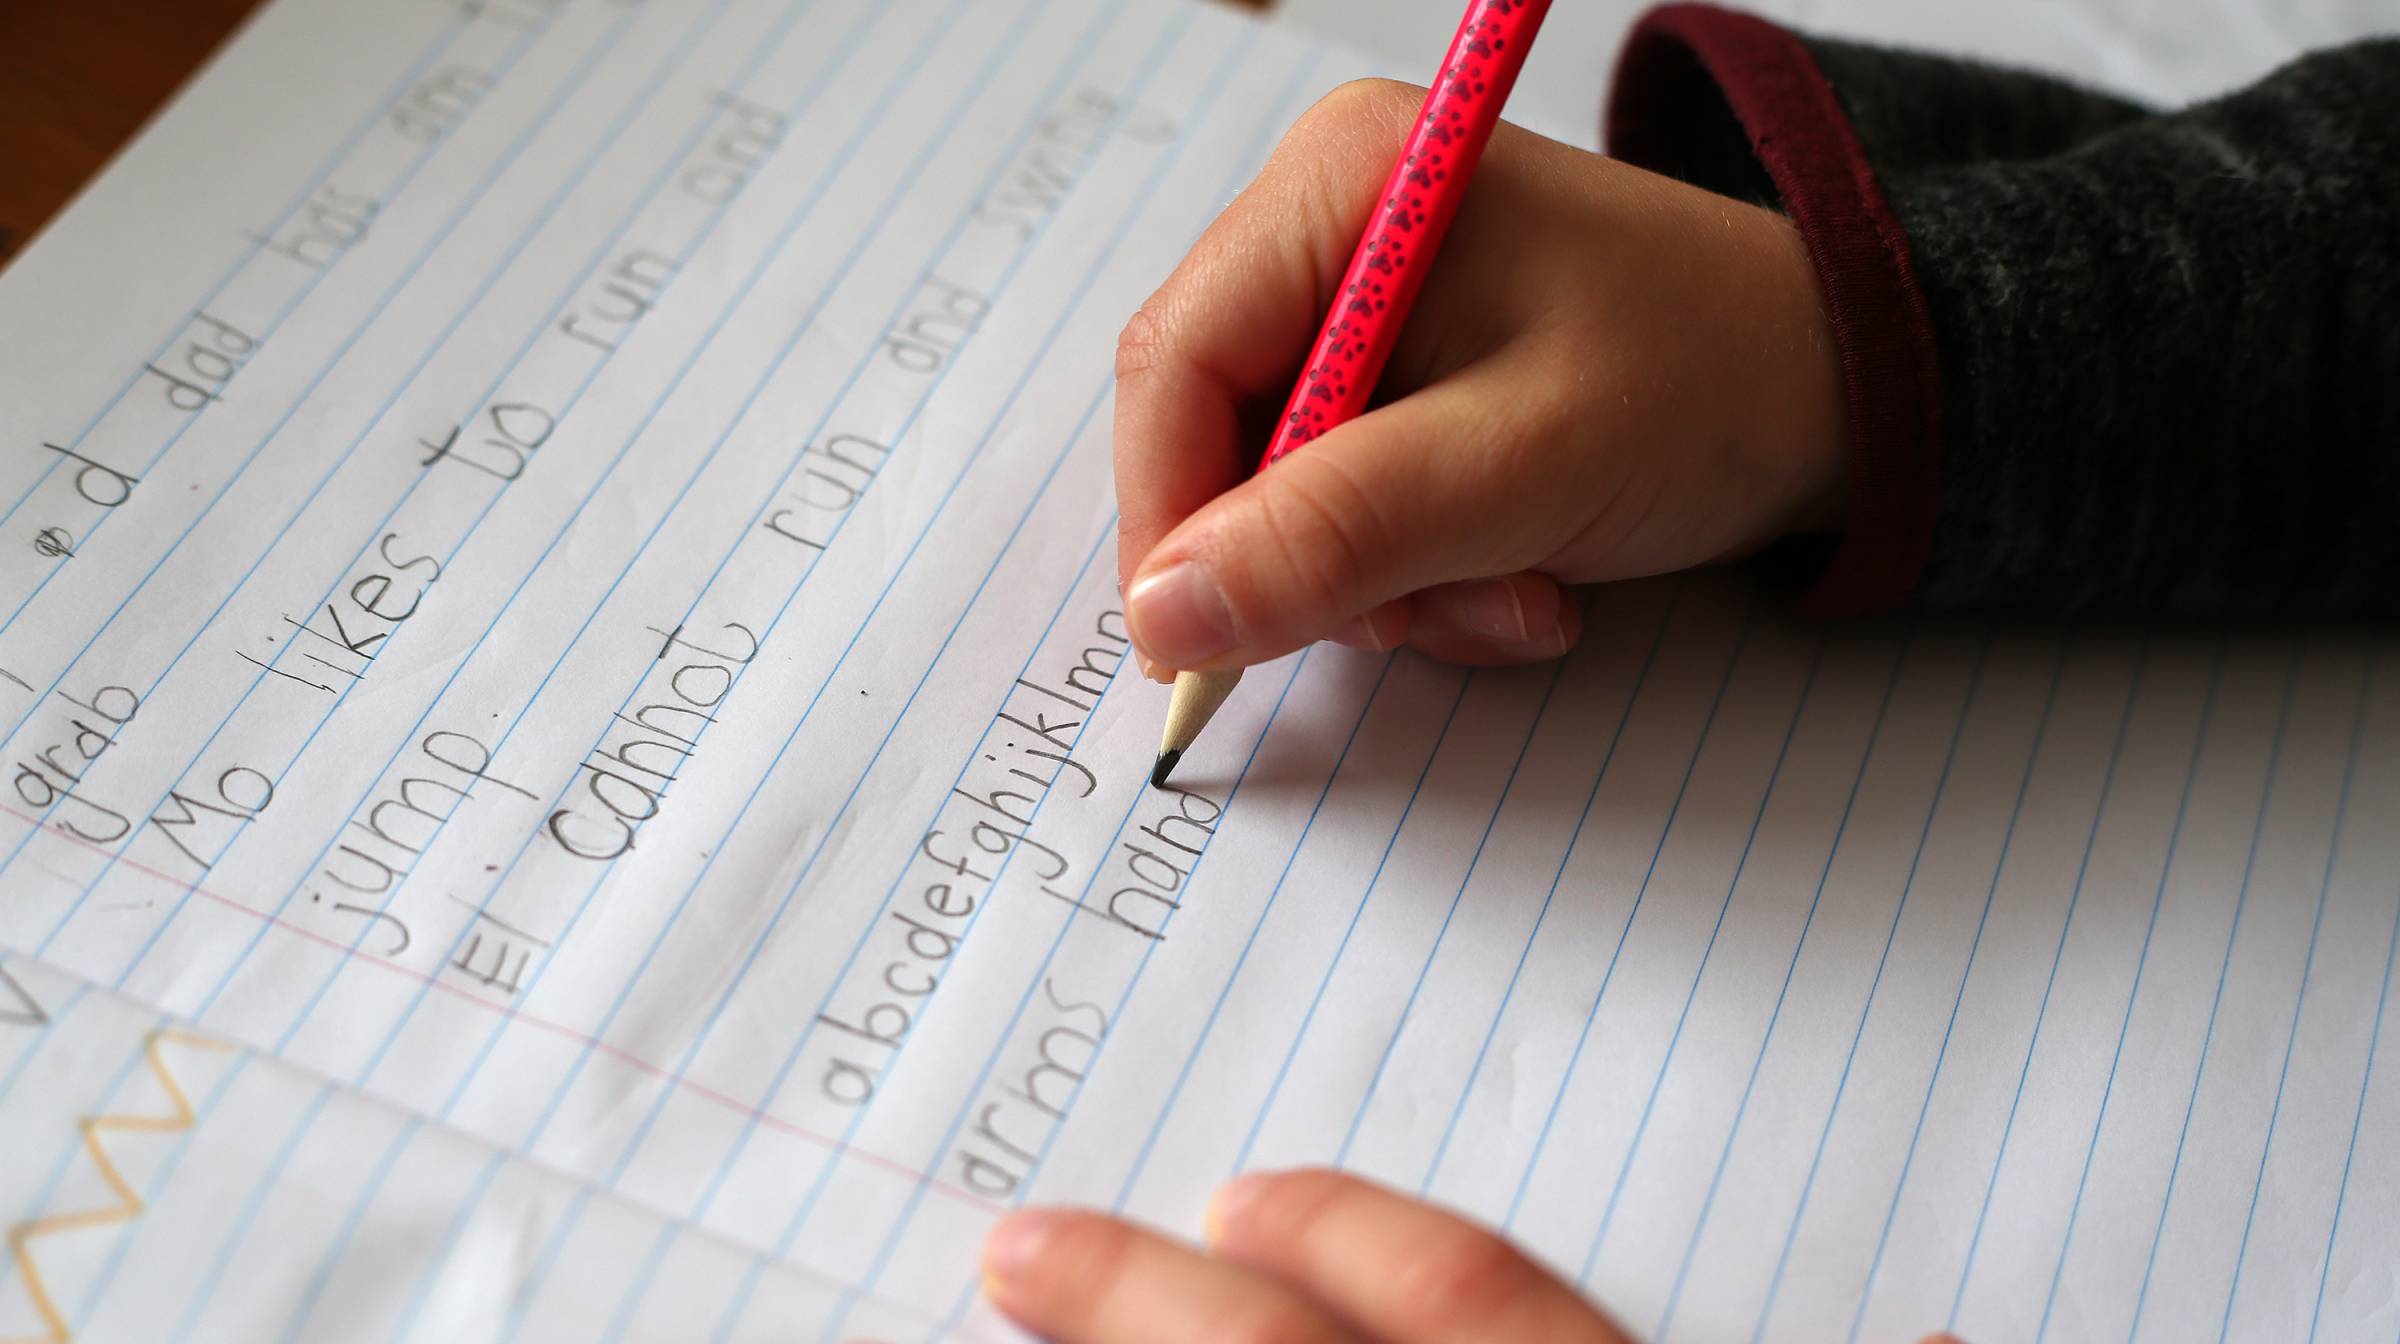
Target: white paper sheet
x=697 y=801
x=190 y=1189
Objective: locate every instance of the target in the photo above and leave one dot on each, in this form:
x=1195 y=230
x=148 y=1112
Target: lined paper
x=564 y=694
x=261 y=1202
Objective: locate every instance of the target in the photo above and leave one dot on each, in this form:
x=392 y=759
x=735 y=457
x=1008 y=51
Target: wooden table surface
x=79 y=77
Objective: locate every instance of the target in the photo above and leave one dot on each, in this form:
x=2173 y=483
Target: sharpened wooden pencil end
x=1196 y=699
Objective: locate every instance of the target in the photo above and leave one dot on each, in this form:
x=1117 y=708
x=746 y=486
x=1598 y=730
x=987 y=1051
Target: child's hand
x=1308 y=1257
x=1609 y=374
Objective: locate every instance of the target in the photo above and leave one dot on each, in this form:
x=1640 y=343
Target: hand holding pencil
x=1607 y=374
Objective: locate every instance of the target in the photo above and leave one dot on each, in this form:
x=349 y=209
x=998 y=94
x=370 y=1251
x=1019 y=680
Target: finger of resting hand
x=1517 y=618
x=1083 y=1278
x=1379 y=630
x=1400 y=1270
x=1232 y=323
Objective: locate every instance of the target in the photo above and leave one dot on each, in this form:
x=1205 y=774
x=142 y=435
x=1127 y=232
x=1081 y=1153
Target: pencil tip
x=1165 y=766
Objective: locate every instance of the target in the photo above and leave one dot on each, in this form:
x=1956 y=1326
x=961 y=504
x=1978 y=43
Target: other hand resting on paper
x=1307 y=1257
x=1609 y=374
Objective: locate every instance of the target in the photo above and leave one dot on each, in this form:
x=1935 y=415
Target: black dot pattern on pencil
x=1410 y=218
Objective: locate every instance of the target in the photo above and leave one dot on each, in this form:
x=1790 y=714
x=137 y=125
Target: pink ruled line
x=633 y=1061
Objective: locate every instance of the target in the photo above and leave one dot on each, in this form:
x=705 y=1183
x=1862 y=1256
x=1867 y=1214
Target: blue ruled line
x=1283 y=1071
x=1066 y=924
x=833 y=1159
x=2141 y=964
x=1841 y=1088
x=1201 y=110
x=492 y=1039
x=726 y=1162
x=383 y=108
x=466 y=205
x=453 y=1237
x=1941 y=1055
x=658 y=940
x=1383 y=1060
x=735 y=1151
x=1541 y=917
x=49 y=1030
x=533 y=1283
x=335 y=1249
x=907 y=74
x=230 y=1240
x=833 y=405
x=916 y=1194
x=2308 y=964
x=1541 y=1141
x=814 y=88
x=860 y=244
x=2241 y=901
x=522 y=1299
x=974 y=598
x=1791 y=966
x=725 y=1167
x=74 y=1144
x=1733 y=885
x=1033 y=1169
x=566 y=296
x=1249 y=159
x=1208 y=1025
x=93 y=1294
x=474 y=196
x=2366 y=1080
x=2058 y=952
x=733 y=1312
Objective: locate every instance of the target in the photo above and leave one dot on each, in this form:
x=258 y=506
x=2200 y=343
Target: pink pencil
x=1420 y=198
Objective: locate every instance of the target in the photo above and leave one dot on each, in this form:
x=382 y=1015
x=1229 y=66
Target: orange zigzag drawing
x=129 y=1204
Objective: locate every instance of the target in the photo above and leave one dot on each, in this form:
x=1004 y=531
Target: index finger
x=1225 y=334
x=1402 y=1270
x=1083 y=1278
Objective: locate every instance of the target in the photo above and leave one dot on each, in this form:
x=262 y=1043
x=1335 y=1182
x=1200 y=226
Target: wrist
x=1799 y=431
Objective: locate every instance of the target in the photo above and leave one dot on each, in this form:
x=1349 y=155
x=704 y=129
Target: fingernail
x=1568 y=624
x=1179 y=616
x=1493 y=607
x=1015 y=1243
x=1360 y=634
x=1516 y=610
x=1232 y=1197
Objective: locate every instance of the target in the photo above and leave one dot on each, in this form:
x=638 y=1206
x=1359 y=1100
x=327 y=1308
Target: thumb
x=1401 y=499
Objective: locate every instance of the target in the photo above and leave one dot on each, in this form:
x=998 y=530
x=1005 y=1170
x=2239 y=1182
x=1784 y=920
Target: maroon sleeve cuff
x=1686 y=65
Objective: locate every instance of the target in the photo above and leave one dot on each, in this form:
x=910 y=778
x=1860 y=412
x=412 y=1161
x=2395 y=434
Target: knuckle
x=1361 y=103
x=1342 y=146
x=1141 y=345
x=1464 y=1277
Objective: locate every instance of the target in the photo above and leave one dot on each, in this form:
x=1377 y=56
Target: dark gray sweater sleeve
x=2098 y=357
